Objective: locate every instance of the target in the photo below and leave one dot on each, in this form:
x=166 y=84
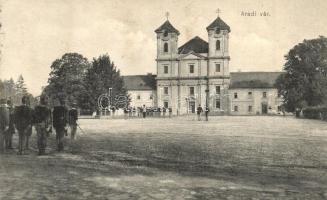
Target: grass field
x=179 y=158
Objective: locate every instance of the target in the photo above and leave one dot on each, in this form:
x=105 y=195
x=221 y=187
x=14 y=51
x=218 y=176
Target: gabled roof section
x=253 y=79
x=167 y=27
x=218 y=24
x=140 y=82
x=197 y=55
x=197 y=45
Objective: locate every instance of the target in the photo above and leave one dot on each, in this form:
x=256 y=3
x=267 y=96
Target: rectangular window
x=165 y=90
x=191 y=69
x=217 y=89
x=250 y=109
x=217 y=67
x=235 y=108
x=218 y=103
x=138 y=97
x=250 y=93
x=191 y=90
x=166 y=69
x=166 y=104
x=235 y=95
x=264 y=94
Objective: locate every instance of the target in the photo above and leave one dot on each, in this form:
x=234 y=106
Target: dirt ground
x=179 y=158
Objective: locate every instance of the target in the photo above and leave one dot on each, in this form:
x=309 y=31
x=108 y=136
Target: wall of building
x=146 y=97
x=256 y=100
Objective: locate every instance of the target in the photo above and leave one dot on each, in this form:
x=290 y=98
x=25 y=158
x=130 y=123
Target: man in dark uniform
x=198 y=112
x=42 y=122
x=4 y=123
x=29 y=131
x=23 y=123
x=72 y=120
x=60 y=120
x=207 y=112
x=11 y=131
x=144 y=111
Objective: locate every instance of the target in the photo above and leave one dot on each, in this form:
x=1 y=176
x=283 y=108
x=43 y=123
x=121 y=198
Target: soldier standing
x=72 y=120
x=29 y=130
x=198 y=112
x=4 y=123
x=144 y=111
x=164 y=112
x=42 y=122
x=170 y=111
x=207 y=112
x=59 y=123
x=11 y=130
x=23 y=123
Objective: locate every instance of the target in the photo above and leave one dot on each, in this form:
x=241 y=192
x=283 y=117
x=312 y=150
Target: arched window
x=218 y=45
x=166 y=47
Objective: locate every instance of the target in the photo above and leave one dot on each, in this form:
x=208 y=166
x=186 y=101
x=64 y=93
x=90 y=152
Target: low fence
x=319 y=112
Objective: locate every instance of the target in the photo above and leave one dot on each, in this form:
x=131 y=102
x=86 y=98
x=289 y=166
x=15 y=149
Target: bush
x=318 y=112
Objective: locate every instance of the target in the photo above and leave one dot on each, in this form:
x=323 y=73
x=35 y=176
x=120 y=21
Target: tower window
x=165 y=90
x=191 y=69
x=191 y=90
x=217 y=67
x=165 y=69
x=264 y=94
x=165 y=34
x=166 y=47
x=138 y=97
x=235 y=108
x=217 y=89
x=218 y=45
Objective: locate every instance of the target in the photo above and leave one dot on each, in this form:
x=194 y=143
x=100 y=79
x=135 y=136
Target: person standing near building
x=199 y=110
x=11 y=131
x=207 y=112
x=144 y=111
x=23 y=123
x=30 y=130
x=72 y=120
x=42 y=121
x=60 y=120
x=4 y=123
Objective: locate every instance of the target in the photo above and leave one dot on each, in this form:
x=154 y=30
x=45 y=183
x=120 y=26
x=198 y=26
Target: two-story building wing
x=196 y=73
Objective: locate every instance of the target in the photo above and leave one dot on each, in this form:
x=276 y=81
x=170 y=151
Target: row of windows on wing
x=264 y=95
x=250 y=108
x=138 y=97
x=191 y=68
x=166 y=46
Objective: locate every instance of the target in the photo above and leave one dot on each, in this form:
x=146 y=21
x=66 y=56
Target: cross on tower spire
x=218 y=11
x=167 y=15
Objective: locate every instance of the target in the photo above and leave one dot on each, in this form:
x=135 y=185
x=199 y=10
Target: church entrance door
x=192 y=106
x=264 y=108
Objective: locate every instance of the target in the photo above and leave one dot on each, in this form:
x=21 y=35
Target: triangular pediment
x=192 y=55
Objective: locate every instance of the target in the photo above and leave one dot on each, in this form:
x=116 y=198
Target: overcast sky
x=36 y=32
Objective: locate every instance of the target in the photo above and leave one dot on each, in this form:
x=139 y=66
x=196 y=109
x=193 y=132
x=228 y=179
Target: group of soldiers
x=22 y=118
x=199 y=111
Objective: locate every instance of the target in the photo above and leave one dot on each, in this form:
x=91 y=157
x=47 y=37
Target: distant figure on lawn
x=11 y=131
x=199 y=110
x=207 y=112
x=60 y=123
x=23 y=123
x=4 y=123
x=43 y=123
x=144 y=111
x=72 y=120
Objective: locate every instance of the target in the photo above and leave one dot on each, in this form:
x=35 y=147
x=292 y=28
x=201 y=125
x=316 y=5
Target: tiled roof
x=253 y=79
x=196 y=45
x=167 y=27
x=140 y=82
x=219 y=24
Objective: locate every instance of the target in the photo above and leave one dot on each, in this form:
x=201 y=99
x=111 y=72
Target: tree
x=67 y=78
x=305 y=81
x=101 y=76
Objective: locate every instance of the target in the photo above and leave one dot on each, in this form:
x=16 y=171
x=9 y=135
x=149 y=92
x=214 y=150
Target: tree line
x=78 y=80
x=14 y=91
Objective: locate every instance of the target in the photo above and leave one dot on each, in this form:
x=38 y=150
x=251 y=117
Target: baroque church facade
x=197 y=73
